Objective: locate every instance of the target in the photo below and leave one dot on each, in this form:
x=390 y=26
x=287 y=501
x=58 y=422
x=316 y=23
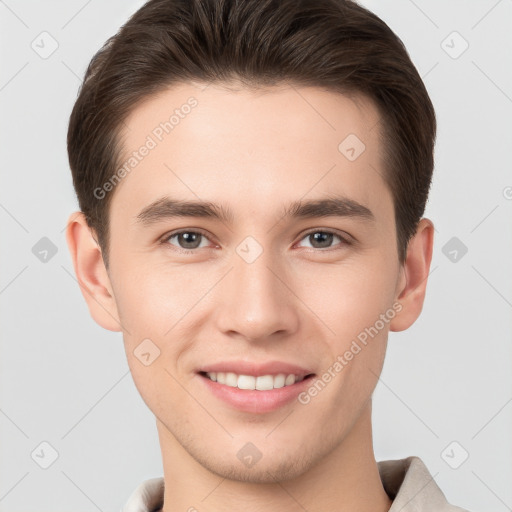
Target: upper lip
x=256 y=369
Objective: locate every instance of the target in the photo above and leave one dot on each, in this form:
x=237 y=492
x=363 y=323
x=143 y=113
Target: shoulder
x=412 y=487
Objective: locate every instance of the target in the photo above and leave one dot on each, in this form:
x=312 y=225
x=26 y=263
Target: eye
x=188 y=241
x=322 y=239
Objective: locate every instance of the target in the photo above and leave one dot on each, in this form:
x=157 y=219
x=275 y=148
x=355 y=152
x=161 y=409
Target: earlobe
x=91 y=273
x=414 y=276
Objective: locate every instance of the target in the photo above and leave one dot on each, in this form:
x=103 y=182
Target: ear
x=412 y=283
x=91 y=273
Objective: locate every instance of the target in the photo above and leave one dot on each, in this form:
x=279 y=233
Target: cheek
x=161 y=304
x=349 y=297
x=153 y=305
x=153 y=298
x=350 y=301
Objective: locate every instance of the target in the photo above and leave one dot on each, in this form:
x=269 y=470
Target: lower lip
x=254 y=401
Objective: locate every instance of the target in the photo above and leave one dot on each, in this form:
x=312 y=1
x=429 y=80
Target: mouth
x=255 y=394
x=266 y=382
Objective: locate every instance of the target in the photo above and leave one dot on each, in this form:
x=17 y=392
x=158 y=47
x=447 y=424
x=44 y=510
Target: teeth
x=261 y=383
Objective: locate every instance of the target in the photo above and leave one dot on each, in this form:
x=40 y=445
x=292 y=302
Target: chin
x=269 y=472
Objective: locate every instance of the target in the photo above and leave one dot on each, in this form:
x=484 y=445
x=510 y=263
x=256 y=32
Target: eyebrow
x=166 y=208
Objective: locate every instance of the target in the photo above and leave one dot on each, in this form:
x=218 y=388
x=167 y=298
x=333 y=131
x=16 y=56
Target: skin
x=255 y=152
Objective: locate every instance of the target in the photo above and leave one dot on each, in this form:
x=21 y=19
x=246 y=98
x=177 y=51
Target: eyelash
x=167 y=237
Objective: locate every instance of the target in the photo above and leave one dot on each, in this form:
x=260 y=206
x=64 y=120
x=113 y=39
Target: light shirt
x=407 y=482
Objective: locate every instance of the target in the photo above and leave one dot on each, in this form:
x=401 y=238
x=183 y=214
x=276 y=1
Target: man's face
x=257 y=286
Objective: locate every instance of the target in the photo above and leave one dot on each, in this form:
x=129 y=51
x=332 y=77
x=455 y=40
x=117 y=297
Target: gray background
x=65 y=380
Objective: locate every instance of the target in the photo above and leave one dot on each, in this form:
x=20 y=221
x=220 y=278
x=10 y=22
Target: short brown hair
x=334 y=44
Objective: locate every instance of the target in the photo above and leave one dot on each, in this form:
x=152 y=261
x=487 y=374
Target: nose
x=258 y=301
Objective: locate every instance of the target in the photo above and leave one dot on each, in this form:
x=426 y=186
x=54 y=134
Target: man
x=252 y=177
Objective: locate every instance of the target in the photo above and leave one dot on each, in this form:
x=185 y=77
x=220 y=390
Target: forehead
x=251 y=148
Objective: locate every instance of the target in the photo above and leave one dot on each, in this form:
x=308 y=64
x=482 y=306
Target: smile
x=261 y=382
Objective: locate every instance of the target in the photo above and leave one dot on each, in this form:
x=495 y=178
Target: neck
x=346 y=480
